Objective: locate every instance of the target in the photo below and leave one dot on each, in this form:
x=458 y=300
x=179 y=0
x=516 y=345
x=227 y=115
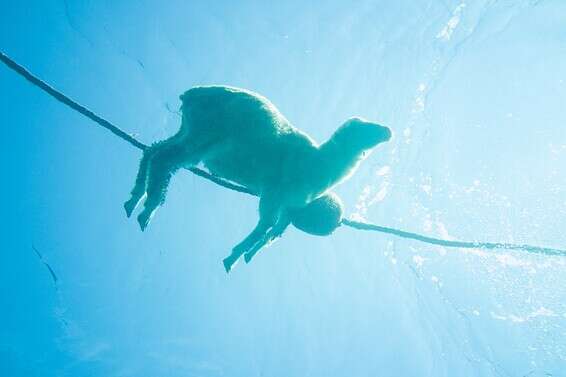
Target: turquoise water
x=474 y=93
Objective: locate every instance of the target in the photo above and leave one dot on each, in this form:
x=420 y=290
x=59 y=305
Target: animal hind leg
x=138 y=192
x=161 y=168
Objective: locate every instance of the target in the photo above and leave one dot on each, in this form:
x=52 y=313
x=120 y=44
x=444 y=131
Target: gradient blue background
x=475 y=93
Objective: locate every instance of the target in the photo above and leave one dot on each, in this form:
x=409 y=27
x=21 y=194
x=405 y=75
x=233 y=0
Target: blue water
x=474 y=91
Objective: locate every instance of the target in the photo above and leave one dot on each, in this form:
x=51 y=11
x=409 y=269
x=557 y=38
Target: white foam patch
x=386 y=170
x=380 y=195
x=418 y=260
x=446 y=33
x=540 y=312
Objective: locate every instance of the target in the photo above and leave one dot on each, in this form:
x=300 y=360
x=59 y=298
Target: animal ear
x=320 y=217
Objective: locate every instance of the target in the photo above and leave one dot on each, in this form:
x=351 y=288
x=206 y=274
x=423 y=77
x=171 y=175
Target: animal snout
x=375 y=133
x=386 y=132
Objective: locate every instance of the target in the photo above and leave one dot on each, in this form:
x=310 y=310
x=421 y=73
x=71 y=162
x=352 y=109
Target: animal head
x=320 y=217
x=359 y=135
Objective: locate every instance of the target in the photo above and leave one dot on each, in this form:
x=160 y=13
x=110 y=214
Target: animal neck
x=338 y=163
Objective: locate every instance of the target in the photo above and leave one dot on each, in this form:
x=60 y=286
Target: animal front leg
x=240 y=249
x=274 y=233
x=268 y=215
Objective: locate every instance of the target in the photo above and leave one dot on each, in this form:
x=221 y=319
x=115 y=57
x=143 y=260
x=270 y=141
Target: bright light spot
x=418 y=260
x=446 y=33
x=383 y=171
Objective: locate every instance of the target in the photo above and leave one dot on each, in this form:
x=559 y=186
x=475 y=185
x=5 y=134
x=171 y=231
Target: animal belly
x=248 y=168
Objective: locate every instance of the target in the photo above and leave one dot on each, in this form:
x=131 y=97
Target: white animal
x=240 y=136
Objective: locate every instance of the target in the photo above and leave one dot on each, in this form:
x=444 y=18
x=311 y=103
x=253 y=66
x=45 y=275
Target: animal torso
x=251 y=142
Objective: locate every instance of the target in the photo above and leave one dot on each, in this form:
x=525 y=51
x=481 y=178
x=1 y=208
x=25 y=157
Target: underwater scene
x=283 y=188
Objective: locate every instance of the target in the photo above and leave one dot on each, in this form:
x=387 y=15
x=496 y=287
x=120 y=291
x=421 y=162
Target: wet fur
x=241 y=136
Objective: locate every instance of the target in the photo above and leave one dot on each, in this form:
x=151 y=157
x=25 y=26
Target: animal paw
x=229 y=262
x=248 y=256
x=251 y=254
x=144 y=218
x=130 y=206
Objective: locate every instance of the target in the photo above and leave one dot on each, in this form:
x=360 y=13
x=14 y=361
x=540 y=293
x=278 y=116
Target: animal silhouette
x=242 y=137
